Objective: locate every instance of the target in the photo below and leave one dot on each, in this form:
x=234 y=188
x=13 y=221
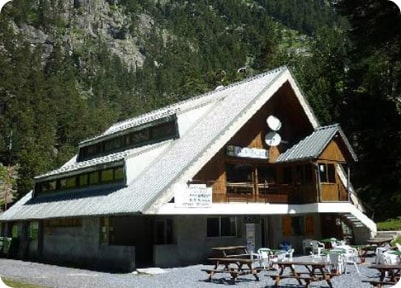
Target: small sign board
x=247 y=152
x=193 y=196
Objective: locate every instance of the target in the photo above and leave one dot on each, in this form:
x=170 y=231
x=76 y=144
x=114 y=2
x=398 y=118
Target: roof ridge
x=176 y=107
x=208 y=93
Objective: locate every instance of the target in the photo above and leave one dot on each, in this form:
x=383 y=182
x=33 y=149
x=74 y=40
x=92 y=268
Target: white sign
x=250 y=236
x=193 y=196
x=247 y=152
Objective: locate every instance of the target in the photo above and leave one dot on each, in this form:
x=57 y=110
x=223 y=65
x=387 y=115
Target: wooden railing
x=278 y=193
x=250 y=192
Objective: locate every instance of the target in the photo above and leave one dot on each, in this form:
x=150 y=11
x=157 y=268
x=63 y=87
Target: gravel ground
x=190 y=276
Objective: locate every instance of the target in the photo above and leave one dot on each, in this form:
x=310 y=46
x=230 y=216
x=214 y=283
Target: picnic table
x=315 y=271
x=379 y=241
x=234 y=267
x=234 y=260
x=371 y=246
x=389 y=274
x=230 y=251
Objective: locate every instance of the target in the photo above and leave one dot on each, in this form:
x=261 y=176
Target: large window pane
x=331 y=173
x=119 y=173
x=107 y=175
x=238 y=173
x=221 y=226
x=228 y=226
x=266 y=174
x=213 y=227
x=322 y=173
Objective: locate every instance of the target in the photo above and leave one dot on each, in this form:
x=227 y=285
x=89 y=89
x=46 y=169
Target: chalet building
x=246 y=164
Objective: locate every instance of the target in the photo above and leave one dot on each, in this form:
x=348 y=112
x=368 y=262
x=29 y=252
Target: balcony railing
x=278 y=193
x=250 y=192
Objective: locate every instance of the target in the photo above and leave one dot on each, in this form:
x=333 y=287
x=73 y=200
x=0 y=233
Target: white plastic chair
x=306 y=244
x=277 y=256
x=289 y=254
x=380 y=255
x=350 y=255
x=317 y=248
x=337 y=262
x=390 y=258
x=264 y=257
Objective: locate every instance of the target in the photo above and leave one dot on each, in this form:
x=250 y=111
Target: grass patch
x=18 y=284
x=388 y=225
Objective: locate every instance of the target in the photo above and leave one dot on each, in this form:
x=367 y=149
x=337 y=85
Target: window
x=223 y=226
x=164 y=130
x=287 y=175
x=239 y=173
x=83 y=180
x=327 y=173
x=112 y=144
x=119 y=173
x=104 y=230
x=14 y=231
x=304 y=174
x=164 y=231
x=139 y=136
x=108 y=175
x=67 y=183
x=33 y=230
x=94 y=178
x=266 y=174
x=159 y=130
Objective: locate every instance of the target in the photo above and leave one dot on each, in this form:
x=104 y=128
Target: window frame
x=232 y=220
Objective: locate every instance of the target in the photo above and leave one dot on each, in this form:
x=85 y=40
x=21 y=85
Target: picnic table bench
x=234 y=267
x=389 y=274
x=315 y=271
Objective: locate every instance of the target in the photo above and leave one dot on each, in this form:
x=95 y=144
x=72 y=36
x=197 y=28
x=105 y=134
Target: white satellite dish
x=272 y=138
x=273 y=122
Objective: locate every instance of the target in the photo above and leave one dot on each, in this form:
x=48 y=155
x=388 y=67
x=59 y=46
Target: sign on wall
x=250 y=237
x=247 y=152
x=193 y=196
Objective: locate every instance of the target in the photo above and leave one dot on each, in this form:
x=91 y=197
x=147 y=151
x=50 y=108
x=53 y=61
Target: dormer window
x=111 y=175
x=160 y=130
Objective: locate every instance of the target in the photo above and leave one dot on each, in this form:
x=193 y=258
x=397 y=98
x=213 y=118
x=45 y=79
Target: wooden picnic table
x=389 y=274
x=379 y=241
x=229 y=251
x=315 y=271
x=371 y=246
x=234 y=267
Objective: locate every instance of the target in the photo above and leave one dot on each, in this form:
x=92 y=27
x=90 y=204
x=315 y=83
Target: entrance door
x=143 y=241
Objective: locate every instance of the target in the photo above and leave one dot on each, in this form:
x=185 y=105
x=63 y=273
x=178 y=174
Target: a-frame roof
x=208 y=122
x=313 y=145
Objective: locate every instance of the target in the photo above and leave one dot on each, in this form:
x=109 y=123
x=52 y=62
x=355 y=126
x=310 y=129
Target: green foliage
x=373 y=95
x=306 y=16
x=390 y=225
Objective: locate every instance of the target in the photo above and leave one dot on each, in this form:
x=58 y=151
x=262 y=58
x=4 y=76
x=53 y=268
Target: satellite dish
x=272 y=138
x=273 y=122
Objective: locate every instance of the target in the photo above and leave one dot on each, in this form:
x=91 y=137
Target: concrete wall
x=165 y=255
x=193 y=244
x=72 y=243
x=80 y=246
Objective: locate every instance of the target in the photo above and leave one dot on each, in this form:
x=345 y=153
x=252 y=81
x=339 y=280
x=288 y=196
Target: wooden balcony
x=278 y=193
x=249 y=192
